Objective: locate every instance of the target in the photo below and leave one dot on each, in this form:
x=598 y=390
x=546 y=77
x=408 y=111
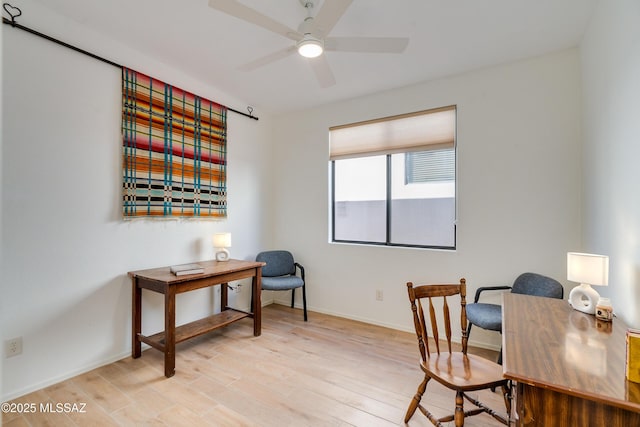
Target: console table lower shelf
x=161 y=280
x=194 y=329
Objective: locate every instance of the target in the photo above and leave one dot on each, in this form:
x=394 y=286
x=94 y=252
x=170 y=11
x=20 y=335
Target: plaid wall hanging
x=174 y=151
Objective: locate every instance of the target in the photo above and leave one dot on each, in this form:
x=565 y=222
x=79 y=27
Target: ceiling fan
x=311 y=39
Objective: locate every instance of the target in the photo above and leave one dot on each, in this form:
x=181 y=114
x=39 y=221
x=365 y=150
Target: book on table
x=183 y=269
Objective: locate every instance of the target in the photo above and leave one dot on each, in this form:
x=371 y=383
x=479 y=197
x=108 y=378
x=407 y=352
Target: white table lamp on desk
x=586 y=269
x=222 y=241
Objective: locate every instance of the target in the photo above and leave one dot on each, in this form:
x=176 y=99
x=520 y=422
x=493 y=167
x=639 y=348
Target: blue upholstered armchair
x=280 y=275
x=489 y=316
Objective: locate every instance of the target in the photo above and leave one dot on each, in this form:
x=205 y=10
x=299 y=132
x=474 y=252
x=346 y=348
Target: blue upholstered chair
x=489 y=316
x=280 y=274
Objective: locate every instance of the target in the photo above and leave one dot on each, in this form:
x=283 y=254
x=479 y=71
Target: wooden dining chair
x=455 y=370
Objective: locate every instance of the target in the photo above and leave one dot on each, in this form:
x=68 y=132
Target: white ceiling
x=446 y=37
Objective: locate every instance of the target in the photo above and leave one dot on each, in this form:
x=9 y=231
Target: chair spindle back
x=430 y=292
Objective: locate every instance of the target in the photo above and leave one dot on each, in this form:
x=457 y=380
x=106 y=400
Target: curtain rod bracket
x=13 y=12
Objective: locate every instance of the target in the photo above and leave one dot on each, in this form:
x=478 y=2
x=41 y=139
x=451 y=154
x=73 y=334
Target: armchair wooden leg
x=416 y=399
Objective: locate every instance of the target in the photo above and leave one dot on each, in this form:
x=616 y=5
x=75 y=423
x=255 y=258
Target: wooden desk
x=161 y=280
x=569 y=367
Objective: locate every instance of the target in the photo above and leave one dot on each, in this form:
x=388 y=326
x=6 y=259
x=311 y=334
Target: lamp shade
x=222 y=240
x=589 y=269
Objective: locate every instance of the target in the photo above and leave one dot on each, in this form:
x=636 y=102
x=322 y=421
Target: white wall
x=610 y=55
x=518 y=189
x=65 y=251
x=65 y=248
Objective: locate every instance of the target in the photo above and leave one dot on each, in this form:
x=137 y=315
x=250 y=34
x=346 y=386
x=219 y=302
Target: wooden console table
x=569 y=366
x=161 y=280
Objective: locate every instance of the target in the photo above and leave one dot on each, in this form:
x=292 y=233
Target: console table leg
x=256 y=302
x=170 y=332
x=136 y=319
x=224 y=296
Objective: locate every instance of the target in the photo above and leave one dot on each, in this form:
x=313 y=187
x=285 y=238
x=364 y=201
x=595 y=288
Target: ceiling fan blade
x=240 y=11
x=367 y=44
x=272 y=57
x=329 y=14
x=323 y=72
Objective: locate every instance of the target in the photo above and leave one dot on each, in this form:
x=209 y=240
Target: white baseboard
x=54 y=380
x=62 y=377
x=377 y=323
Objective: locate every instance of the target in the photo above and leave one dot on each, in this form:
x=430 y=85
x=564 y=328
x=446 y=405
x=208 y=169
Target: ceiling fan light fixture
x=310 y=47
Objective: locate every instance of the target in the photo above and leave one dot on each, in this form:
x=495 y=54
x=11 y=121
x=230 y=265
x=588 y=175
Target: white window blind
x=430 y=166
x=420 y=131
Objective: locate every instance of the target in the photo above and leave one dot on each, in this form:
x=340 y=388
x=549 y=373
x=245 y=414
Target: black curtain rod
x=14 y=24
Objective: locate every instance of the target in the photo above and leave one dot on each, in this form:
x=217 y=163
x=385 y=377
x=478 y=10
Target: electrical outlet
x=237 y=288
x=13 y=347
x=379 y=295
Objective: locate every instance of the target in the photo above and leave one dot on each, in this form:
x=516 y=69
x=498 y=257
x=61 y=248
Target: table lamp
x=586 y=269
x=222 y=241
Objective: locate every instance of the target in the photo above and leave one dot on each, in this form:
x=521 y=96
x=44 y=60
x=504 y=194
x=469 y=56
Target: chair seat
x=463 y=372
x=281 y=283
x=486 y=316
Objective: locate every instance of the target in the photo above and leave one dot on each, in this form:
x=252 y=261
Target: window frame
x=389 y=200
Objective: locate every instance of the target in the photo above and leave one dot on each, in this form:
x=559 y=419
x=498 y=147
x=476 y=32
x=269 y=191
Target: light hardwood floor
x=328 y=371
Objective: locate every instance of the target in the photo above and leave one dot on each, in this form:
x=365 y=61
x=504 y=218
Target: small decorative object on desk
x=604 y=310
x=633 y=355
x=181 y=270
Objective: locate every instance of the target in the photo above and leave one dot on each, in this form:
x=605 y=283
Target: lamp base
x=222 y=255
x=584 y=298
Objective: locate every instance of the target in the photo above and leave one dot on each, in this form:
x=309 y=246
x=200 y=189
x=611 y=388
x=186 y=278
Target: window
x=393 y=180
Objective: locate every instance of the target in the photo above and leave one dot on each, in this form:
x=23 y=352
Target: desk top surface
x=211 y=268
x=548 y=344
